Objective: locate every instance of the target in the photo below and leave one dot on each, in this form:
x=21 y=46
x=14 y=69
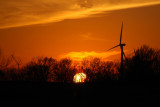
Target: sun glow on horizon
x=79 y=56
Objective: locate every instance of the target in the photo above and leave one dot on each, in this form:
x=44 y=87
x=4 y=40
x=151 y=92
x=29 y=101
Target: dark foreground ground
x=111 y=94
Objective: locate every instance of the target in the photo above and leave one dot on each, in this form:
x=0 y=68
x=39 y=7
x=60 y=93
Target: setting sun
x=79 y=77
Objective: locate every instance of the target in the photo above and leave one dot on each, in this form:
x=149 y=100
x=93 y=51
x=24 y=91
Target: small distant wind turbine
x=17 y=62
x=121 y=46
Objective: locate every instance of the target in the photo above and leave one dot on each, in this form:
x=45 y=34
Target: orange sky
x=69 y=29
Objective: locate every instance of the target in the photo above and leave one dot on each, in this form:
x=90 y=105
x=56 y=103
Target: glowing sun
x=79 y=77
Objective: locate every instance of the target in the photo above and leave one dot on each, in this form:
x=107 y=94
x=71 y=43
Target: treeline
x=144 y=64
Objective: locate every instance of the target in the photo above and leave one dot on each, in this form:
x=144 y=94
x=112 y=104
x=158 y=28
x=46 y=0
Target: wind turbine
x=17 y=62
x=121 y=45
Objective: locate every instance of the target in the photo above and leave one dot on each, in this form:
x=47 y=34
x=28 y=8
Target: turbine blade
x=124 y=55
x=113 y=47
x=121 y=33
x=17 y=61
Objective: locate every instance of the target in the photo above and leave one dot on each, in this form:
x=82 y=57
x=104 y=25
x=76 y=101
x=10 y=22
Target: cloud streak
x=15 y=13
x=90 y=37
x=79 y=56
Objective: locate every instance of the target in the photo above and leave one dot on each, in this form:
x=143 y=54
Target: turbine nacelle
x=122 y=44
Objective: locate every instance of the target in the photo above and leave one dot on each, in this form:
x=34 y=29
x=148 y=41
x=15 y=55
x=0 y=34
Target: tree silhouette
x=63 y=71
x=39 y=69
x=144 y=65
x=98 y=70
x=4 y=61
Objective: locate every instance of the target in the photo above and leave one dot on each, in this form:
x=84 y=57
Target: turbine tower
x=121 y=45
x=17 y=62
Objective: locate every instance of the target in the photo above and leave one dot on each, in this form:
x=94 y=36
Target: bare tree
x=4 y=61
x=144 y=64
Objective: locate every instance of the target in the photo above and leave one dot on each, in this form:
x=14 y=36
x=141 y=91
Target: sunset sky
x=77 y=28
